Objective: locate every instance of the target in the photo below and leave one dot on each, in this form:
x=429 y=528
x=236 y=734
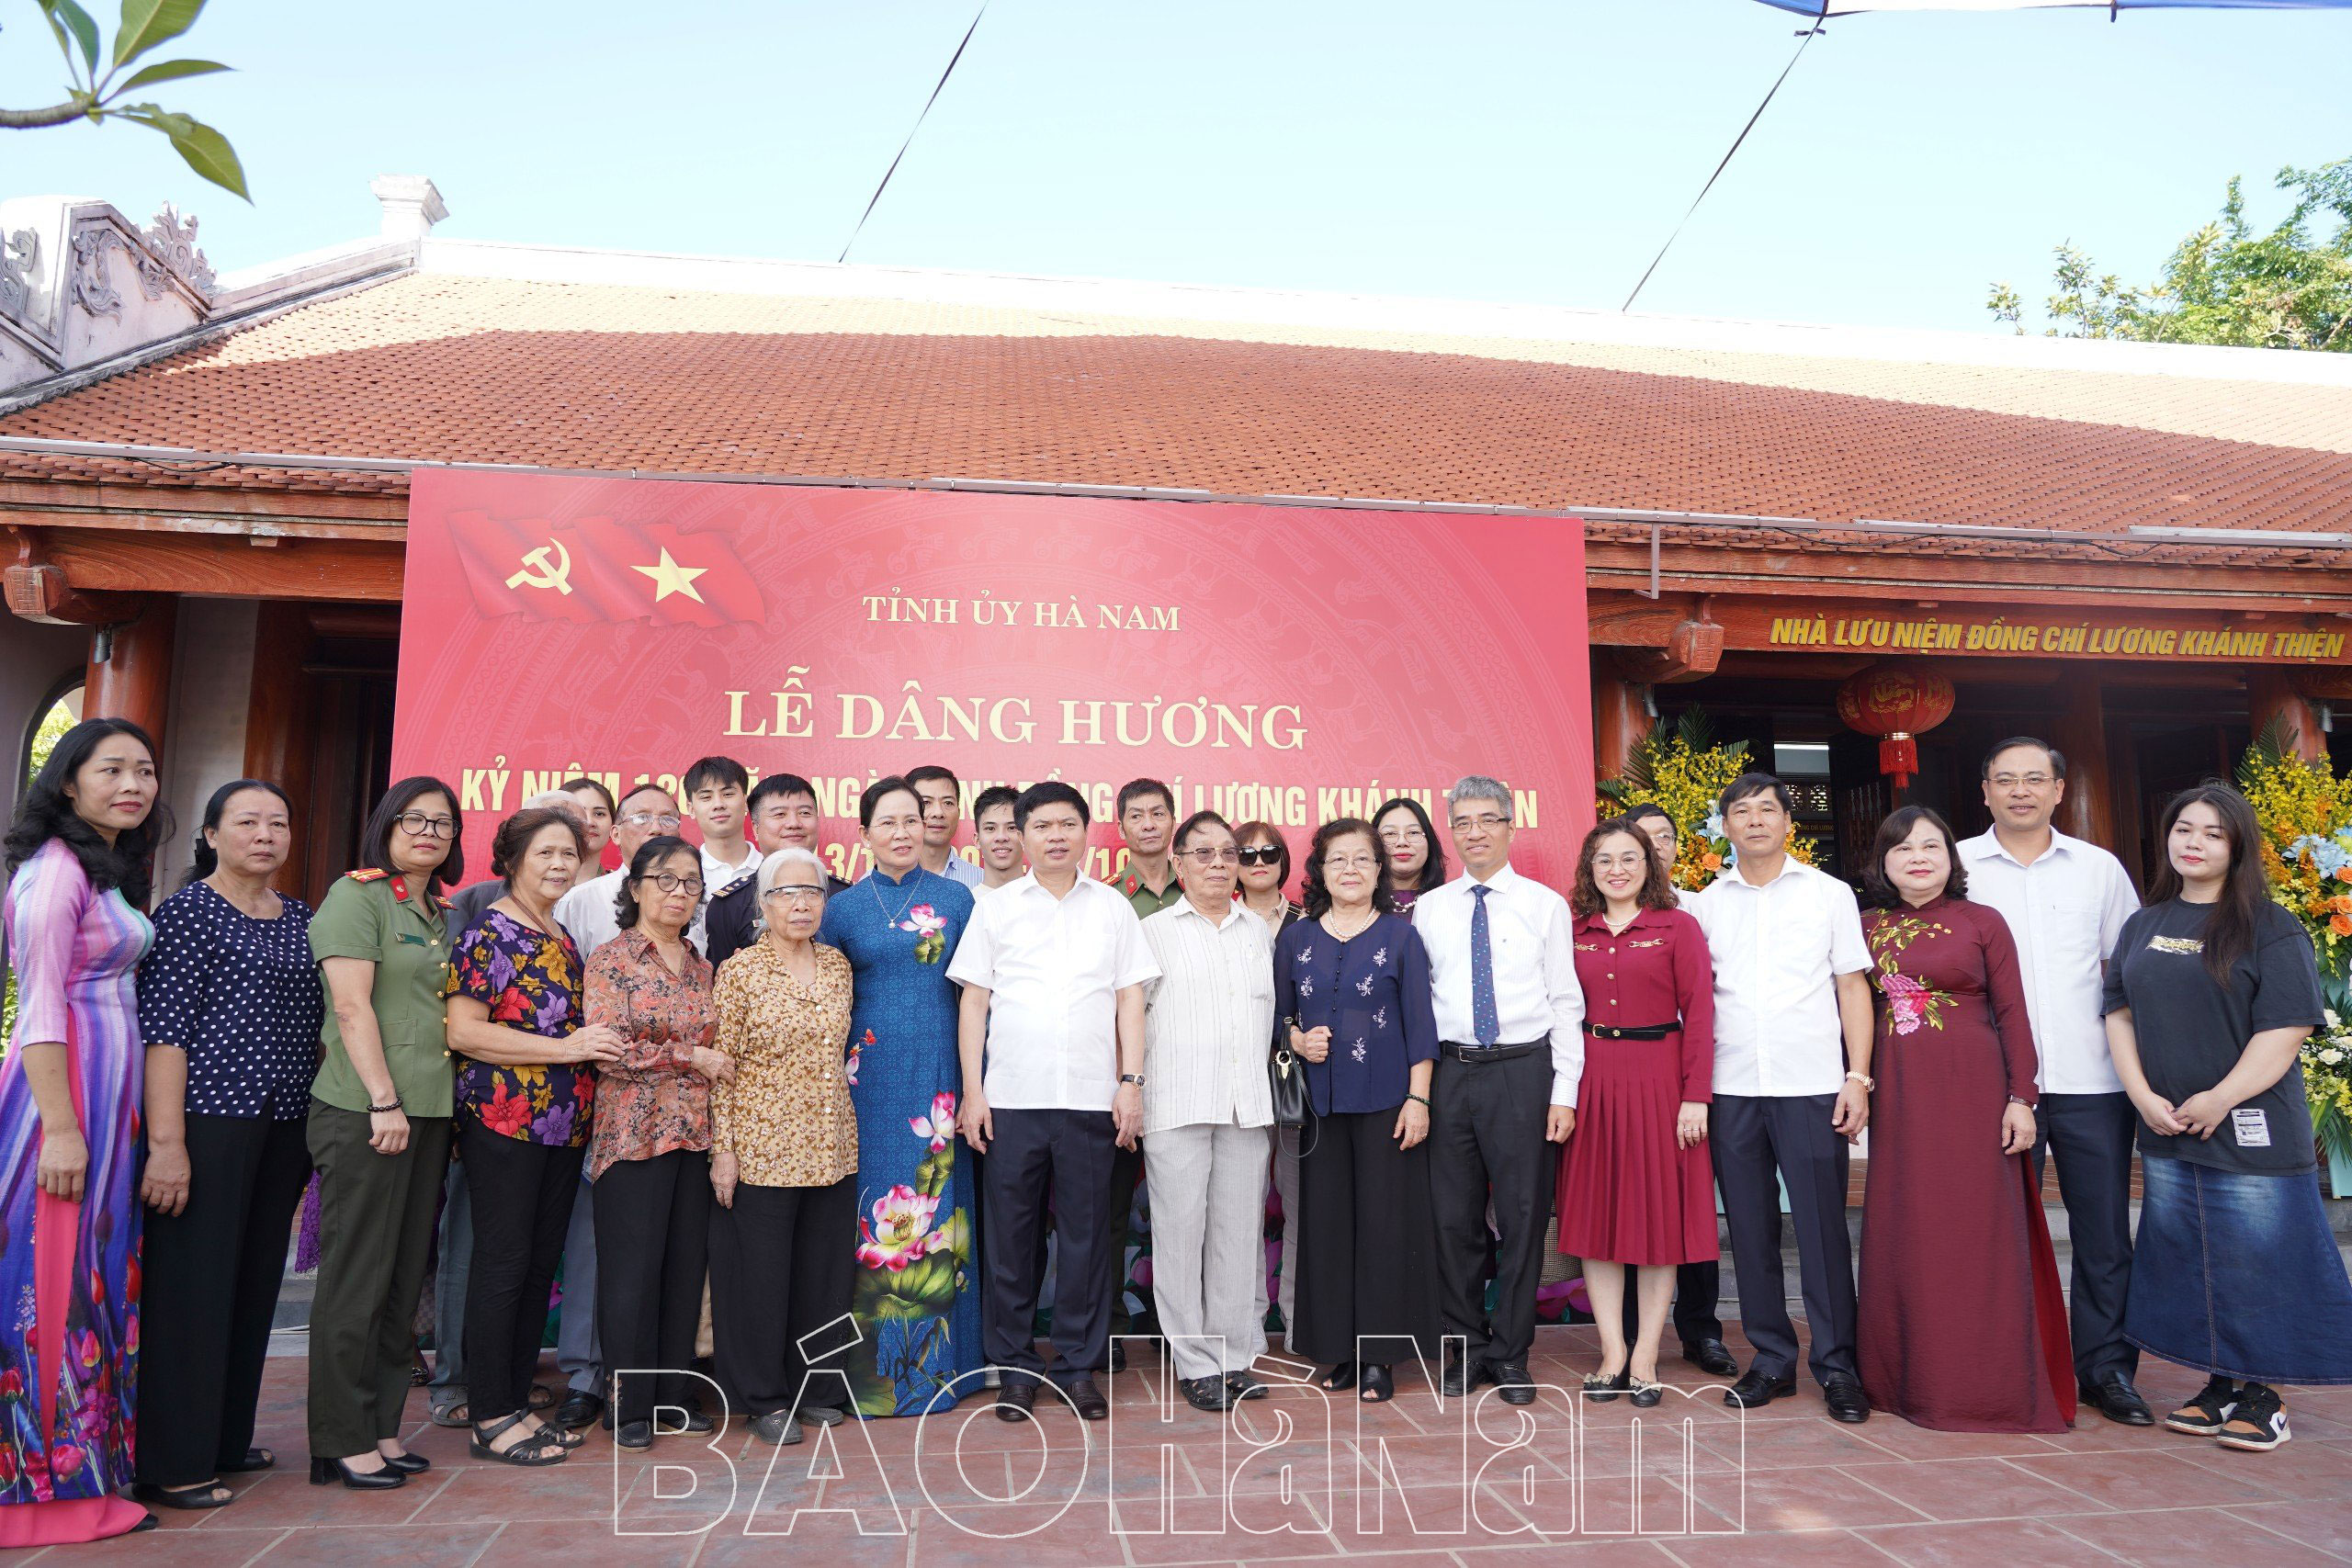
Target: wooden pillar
x=278 y=728
x=1620 y=717
x=2080 y=732
x=133 y=680
x=2272 y=694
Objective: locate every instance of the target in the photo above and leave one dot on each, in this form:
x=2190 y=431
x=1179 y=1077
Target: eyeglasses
x=1401 y=836
x=1352 y=863
x=1486 y=819
x=2011 y=781
x=1213 y=855
x=418 y=825
x=650 y=819
x=796 y=893
x=1261 y=854
x=670 y=882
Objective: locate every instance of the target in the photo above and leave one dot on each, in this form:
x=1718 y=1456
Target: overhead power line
x=910 y=132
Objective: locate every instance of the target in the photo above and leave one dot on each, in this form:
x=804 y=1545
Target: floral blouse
x=530 y=982
x=786 y=1117
x=652 y=1101
x=1372 y=992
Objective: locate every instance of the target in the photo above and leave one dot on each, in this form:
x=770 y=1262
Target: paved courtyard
x=1783 y=1485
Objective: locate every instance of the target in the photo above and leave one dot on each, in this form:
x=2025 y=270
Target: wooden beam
x=279 y=728
x=41 y=593
x=2079 y=729
x=295 y=568
x=2272 y=695
x=133 y=680
x=1620 y=714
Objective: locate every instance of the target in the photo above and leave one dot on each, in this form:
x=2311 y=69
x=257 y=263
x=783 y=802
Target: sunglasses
x=1262 y=854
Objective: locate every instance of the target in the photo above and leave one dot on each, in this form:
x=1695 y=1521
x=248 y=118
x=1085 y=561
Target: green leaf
x=171 y=70
x=146 y=23
x=71 y=18
x=209 y=154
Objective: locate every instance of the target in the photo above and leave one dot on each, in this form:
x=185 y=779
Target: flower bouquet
x=1684 y=770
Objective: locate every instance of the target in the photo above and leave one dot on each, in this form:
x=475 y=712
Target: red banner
x=1289 y=663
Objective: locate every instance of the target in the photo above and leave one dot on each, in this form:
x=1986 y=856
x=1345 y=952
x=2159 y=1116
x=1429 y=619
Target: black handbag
x=1287 y=1074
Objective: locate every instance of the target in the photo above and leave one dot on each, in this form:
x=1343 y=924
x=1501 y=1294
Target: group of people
x=843 y=1121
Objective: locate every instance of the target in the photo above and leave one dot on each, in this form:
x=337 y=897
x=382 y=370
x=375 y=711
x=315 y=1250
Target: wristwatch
x=1869 y=1084
x=1134 y=1078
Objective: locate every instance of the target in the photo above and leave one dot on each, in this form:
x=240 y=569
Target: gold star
x=670 y=578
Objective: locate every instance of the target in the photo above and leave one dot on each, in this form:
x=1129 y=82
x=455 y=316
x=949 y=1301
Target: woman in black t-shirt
x=2212 y=990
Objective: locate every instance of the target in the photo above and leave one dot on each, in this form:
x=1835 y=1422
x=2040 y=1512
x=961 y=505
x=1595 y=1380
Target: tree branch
x=56 y=114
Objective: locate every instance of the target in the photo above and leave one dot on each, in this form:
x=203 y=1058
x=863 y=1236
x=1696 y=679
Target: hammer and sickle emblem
x=539 y=572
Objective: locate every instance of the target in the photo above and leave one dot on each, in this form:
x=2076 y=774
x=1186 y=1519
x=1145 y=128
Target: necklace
x=875 y=881
x=1352 y=932
x=1616 y=930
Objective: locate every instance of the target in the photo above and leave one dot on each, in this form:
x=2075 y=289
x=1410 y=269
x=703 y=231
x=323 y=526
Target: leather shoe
x=1246 y=1385
x=1710 y=1356
x=1464 y=1378
x=2114 y=1397
x=579 y=1409
x=1515 y=1386
x=1088 y=1400
x=1846 y=1399
x=1207 y=1394
x=1758 y=1389
x=776 y=1427
x=1119 y=1357
x=635 y=1435
x=1016 y=1400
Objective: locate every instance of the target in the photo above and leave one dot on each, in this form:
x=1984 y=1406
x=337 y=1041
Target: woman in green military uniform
x=379 y=1127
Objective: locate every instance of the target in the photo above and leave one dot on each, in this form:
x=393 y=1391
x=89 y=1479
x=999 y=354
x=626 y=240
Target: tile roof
x=497 y=369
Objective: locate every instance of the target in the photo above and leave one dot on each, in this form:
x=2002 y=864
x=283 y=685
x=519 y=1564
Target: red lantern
x=1896 y=702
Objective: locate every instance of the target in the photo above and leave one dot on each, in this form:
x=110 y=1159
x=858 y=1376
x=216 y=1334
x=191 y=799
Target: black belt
x=1489 y=1053
x=1632 y=1030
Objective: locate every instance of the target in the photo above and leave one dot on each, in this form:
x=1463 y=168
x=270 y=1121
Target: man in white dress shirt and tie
x=2066 y=901
x=1051 y=1034
x=1794 y=1032
x=1511 y=1033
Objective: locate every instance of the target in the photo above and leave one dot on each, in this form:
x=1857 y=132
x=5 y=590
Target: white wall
x=33 y=660
x=204 y=735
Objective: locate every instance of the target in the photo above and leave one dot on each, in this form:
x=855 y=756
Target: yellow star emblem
x=670 y=578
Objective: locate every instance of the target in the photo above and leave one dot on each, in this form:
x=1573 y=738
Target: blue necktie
x=1484 y=1017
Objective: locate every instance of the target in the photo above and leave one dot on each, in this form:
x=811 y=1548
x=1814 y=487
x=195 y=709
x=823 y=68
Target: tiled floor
x=1708 y=1487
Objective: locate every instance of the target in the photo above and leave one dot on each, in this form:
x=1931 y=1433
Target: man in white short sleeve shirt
x=1051 y=1033
x=1207 y=1020
x=1792 y=1055
x=2066 y=901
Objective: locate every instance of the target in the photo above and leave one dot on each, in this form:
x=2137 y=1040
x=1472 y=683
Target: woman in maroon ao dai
x=1961 y=1326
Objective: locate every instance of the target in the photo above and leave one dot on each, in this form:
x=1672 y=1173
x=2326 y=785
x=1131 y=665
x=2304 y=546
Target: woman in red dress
x=1636 y=1189
x=1961 y=1326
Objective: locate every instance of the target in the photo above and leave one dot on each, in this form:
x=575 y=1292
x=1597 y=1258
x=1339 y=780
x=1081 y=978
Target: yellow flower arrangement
x=2305 y=812
x=1684 y=772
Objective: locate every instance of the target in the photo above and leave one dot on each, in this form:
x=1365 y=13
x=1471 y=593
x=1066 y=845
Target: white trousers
x=1208 y=1254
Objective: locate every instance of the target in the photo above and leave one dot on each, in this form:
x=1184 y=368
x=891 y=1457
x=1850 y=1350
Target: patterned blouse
x=241 y=998
x=788 y=1117
x=652 y=1101
x=530 y=982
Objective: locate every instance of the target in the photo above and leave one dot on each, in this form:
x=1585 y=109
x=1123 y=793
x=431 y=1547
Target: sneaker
x=2208 y=1411
x=2259 y=1424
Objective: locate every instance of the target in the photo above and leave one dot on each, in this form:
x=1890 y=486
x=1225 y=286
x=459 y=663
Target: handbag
x=1287 y=1075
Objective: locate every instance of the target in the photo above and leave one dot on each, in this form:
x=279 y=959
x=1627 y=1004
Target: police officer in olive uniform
x=379 y=1128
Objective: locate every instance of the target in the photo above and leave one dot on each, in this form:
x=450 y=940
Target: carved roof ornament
x=173 y=240
x=19 y=254
x=163 y=253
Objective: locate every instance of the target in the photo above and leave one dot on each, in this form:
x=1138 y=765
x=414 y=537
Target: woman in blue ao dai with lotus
x=917 y=1301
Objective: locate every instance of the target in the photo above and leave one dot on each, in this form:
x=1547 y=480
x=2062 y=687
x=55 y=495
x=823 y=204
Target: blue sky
x=1522 y=152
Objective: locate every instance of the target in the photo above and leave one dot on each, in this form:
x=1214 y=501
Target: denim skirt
x=2238 y=1275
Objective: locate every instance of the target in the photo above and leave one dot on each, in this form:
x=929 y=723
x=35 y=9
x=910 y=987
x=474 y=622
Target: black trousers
x=1126 y=1171
x=212 y=1277
x=653 y=1220
x=1756 y=1138
x=522 y=1195
x=1367 y=1243
x=783 y=1263
x=1697 y=1288
x=1071 y=1152
x=2091 y=1135
x=1486 y=1142
x=376 y=1215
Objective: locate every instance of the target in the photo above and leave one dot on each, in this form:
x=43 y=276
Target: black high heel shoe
x=326 y=1472
x=1375 y=1385
x=408 y=1464
x=1602 y=1387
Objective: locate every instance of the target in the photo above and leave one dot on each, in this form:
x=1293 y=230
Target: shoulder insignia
x=369 y=874
x=399 y=889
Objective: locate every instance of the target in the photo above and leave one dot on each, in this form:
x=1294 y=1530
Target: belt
x=1631 y=1031
x=1488 y=1053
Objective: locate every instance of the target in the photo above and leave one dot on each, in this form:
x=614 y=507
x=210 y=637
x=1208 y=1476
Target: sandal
x=255 y=1459
x=566 y=1436
x=541 y=1397
x=1339 y=1377
x=206 y=1495
x=1378 y=1388
x=539 y=1449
